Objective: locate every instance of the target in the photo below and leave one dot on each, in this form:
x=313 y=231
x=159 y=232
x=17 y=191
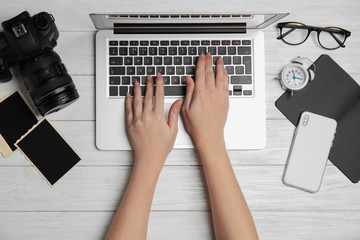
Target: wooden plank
x=179 y=225
x=70 y=17
x=99 y=188
x=81 y=135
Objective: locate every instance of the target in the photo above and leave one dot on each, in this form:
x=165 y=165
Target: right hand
x=206 y=103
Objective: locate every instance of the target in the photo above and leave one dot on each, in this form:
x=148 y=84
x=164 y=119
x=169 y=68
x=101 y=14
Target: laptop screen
x=238 y=20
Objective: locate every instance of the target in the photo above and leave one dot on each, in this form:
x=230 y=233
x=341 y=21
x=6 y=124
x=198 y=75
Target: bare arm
x=204 y=114
x=152 y=138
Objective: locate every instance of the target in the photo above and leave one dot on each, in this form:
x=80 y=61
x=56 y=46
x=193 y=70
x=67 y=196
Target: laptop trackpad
x=182 y=139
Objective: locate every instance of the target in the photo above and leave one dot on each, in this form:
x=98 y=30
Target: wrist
x=151 y=162
x=211 y=147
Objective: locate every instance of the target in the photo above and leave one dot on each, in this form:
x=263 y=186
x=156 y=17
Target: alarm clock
x=296 y=75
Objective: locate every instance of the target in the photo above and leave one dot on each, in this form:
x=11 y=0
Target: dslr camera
x=28 y=42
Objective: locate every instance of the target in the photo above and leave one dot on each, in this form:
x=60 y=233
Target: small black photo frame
x=48 y=151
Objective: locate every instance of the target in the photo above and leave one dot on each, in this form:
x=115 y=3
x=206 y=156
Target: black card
x=16 y=119
x=333 y=93
x=48 y=151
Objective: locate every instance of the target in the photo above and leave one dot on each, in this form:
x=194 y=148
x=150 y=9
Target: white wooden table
x=83 y=203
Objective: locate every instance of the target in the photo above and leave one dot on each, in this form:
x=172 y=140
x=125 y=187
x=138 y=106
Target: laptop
x=130 y=46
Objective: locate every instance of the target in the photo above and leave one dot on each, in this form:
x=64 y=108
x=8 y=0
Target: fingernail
x=220 y=60
x=136 y=83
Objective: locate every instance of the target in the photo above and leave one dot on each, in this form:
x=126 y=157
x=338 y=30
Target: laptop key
x=230 y=70
x=175 y=43
x=160 y=70
x=215 y=58
x=125 y=80
x=123 y=90
x=124 y=43
x=138 y=60
x=150 y=70
x=205 y=42
x=135 y=78
x=225 y=42
x=232 y=50
x=130 y=70
x=180 y=70
x=183 y=80
x=152 y=51
x=192 y=51
x=215 y=42
x=227 y=60
x=190 y=70
x=247 y=92
x=168 y=60
x=115 y=60
x=154 y=43
x=172 y=51
x=144 y=43
x=185 y=43
x=239 y=70
x=142 y=50
x=140 y=71
x=148 y=60
x=247 y=63
x=241 y=80
x=133 y=51
x=157 y=60
x=196 y=43
x=166 y=80
x=164 y=43
x=128 y=60
x=236 y=42
x=202 y=50
x=117 y=70
x=182 y=50
x=222 y=50
x=134 y=43
x=113 y=51
x=114 y=80
x=175 y=80
x=195 y=60
x=212 y=50
x=143 y=80
x=177 y=60
x=123 y=51
x=246 y=42
x=187 y=61
x=237 y=60
x=244 y=50
x=113 y=43
x=162 y=51
x=170 y=70
x=174 y=90
x=113 y=91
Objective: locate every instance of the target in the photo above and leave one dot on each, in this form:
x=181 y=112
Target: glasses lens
x=294 y=33
x=331 y=38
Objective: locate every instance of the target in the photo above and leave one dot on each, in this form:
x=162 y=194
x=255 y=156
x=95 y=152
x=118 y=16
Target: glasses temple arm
x=337 y=39
x=285 y=34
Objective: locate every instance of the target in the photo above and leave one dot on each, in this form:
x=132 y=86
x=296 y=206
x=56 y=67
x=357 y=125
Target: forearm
x=131 y=219
x=231 y=216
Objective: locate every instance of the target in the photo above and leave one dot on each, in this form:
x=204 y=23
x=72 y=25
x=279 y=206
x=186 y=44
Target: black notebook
x=333 y=93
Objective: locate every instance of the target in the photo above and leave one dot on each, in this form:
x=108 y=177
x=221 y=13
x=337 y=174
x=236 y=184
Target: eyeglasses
x=295 y=33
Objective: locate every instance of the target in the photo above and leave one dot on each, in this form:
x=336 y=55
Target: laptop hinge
x=130 y=28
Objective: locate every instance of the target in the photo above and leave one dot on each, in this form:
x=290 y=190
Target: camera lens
x=48 y=82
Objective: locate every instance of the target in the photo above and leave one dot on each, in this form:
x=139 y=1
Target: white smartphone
x=309 y=152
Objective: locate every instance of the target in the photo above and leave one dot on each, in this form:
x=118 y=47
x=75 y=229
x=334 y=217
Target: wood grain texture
x=82 y=204
x=272 y=225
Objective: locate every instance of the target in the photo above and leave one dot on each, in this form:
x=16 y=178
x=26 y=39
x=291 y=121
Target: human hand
x=150 y=135
x=206 y=102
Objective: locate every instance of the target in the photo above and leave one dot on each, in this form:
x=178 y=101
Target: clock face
x=294 y=77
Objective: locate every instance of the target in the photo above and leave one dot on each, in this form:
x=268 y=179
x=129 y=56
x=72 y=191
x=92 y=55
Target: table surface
x=82 y=204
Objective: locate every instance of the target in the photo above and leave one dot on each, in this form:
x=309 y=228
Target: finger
x=220 y=74
x=209 y=72
x=137 y=100
x=159 y=93
x=128 y=109
x=148 y=101
x=174 y=114
x=190 y=86
x=200 y=72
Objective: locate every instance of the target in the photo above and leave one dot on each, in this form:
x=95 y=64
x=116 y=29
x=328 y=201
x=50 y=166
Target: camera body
x=28 y=42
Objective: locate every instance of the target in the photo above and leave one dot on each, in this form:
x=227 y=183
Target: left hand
x=150 y=135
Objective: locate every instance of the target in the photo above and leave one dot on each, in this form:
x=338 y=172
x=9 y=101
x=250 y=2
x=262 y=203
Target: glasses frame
x=311 y=29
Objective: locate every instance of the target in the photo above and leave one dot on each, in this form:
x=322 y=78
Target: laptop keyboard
x=133 y=60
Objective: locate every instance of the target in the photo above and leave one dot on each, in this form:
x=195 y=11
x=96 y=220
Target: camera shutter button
x=42 y=23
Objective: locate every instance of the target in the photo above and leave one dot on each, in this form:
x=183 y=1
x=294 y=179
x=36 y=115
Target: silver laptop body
x=170 y=43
